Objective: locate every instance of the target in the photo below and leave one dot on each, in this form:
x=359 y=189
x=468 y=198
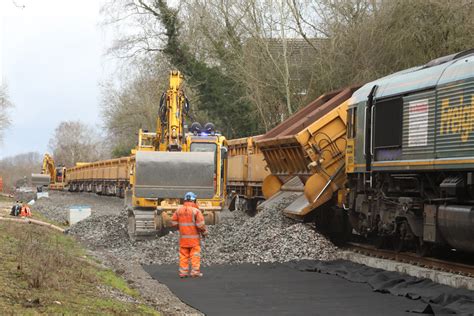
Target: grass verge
x=5 y=198
x=37 y=215
x=44 y=272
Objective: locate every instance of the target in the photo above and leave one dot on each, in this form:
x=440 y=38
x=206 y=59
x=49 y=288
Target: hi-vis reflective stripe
x=197 y=254
x=187 y=224
x=190 y=236
x=199 y=224
x=174 y=223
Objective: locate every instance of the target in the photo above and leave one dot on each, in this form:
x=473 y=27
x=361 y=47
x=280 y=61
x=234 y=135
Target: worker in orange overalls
x=25 y=211
x=190 y=221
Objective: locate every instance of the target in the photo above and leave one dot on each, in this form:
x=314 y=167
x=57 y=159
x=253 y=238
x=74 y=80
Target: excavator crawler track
x=141 y=224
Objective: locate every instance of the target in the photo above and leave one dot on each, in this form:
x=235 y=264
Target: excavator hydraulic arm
x=48 y=172
x=170 y=122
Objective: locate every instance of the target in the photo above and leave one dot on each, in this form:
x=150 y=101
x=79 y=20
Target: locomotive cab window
x=388 y=123
x=351 y=123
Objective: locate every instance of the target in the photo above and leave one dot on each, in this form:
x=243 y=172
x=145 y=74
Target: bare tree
x=281 y=54
x=254 y=41
x=74 y=141
x=4 y=105
x=133 y=103
x=367 y=39
x=19 y=167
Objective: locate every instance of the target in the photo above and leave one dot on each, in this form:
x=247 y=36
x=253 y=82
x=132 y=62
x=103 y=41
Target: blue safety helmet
x=190 y=196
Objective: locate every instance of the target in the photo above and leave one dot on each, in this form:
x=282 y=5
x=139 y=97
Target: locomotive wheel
x=423 y=248
x=399 y=243
x=380 y=242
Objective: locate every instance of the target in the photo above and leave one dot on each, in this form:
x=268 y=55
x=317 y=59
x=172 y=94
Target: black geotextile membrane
x=282 y=289
x=440 y=299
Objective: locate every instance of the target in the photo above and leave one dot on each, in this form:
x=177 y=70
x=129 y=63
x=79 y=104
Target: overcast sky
x=52 y=58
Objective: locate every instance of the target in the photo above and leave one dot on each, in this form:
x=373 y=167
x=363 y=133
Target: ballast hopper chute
x=306 y=155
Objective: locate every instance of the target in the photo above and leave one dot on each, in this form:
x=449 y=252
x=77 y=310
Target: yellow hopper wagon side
x=105 y=177
x=246 y=171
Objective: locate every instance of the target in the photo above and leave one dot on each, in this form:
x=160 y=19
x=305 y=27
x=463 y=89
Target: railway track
x=414 y=259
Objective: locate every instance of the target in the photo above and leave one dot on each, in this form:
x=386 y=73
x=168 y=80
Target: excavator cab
x=60 y=174
x=217 y=145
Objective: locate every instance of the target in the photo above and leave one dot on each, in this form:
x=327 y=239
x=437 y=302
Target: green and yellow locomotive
x=410 y=155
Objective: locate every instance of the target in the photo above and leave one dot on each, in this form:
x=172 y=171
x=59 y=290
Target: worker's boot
x=196 y=274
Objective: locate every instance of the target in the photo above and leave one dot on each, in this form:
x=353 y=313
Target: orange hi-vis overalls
x=25 y=211
x=190 y=221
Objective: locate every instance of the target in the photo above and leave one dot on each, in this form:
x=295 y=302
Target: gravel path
x=267 y=237
x=56 y=207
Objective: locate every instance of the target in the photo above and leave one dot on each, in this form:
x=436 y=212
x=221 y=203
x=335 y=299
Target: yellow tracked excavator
x=51 y=176
x=168 y=162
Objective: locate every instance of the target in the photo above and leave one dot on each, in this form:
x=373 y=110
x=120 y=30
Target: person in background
x=16 y=208
x=25 y=211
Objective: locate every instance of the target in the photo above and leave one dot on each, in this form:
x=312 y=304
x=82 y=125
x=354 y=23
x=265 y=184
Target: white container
x=40 y=195
x=78 y=212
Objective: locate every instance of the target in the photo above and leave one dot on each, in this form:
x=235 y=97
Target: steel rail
x=414 y=259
